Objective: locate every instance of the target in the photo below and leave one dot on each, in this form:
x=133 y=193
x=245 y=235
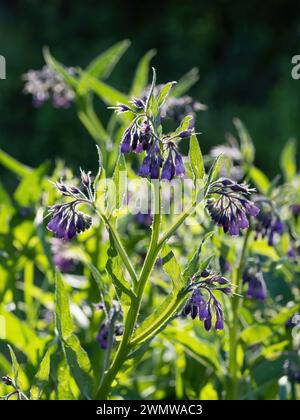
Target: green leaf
x=79 y=365
x=16 y=369
x=77 y=359
x=63 y=320
x=108 y=94
x=201 y=350
x=102 y=66
x=41 y=378
x=64 y=381
x=29 y=190
x=193 y=265
x=116 y=274
x=13 y=165
x=28 y=341
x=256 y=334
x=186 y=82
x=184 y=125
x=164 y=93
x=141 y=76
x=247 y=147
x=214 y=169
x=196 y=159
x=260 y=180
x=171 y=267
x=288 y=159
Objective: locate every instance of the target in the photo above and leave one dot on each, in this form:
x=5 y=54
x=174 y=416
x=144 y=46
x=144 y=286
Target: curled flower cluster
x=163 y=158
x=66 y=221
x=268 y=222
x=253 y=277
x=198 y=305
x=47 y=84
x=229 y=206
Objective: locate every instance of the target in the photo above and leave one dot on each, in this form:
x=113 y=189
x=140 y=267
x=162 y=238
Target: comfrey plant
x=196 y=290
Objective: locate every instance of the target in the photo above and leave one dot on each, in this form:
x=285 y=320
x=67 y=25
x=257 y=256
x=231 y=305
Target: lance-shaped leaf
x=247 y=147
x=102 y=66
x=214 y=169
x=13 y=165
x=185 y=83
x=109 y=95
x=77 y=359
x=16 y=369
x=41 y=378
x=116 y=274
x=193 y=265
x=142 y=74
x=164 y=93
x=196 y=159
x=184 y=125
x=260 y=180
x=171 y=267
x=288 y=160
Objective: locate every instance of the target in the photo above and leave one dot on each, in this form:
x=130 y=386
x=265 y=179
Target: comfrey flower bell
x=253 y=277
x=66 y=221
x=203 y=303
x=229 y=206
x=47 y=84
x=268 y=222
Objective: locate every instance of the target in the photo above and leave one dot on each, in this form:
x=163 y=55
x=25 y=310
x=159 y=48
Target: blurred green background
x=243 y=52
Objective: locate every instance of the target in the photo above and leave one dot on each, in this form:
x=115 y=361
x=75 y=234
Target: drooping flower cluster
x=47 y=84
x=254 y=279
x=229 y=206
x=163 y=159
x=66 y=221
x=204 y=307
x=268 y=222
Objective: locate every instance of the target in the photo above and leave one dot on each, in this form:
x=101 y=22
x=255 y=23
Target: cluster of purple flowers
x=47 y=84
x=203 y=308
x=163 y=159
x=229 y=206
x=66 y=221
x=268 y=222
x=253 y=277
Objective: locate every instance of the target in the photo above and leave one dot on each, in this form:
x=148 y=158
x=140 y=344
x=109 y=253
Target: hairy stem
x=120 y=248
x=233 y=390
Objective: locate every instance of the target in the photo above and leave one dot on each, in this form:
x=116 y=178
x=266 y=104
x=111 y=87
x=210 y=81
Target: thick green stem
x=133 y=312
x=120 y=248
x=233 y=390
